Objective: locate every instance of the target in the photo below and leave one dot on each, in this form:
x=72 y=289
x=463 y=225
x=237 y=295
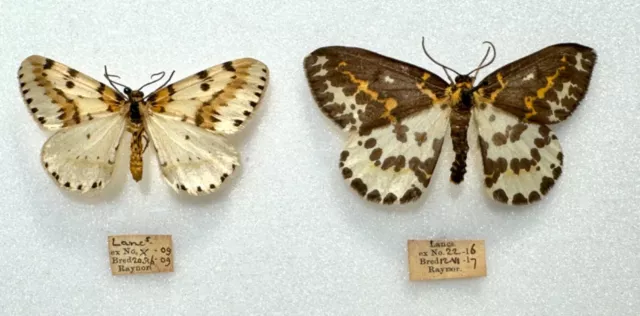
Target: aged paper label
x=134 y=254
x=446 y=259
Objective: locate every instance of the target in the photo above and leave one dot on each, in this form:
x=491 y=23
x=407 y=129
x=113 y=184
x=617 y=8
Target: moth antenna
x=113 y=83
x=168 y=79
x=437 y=63
x=163 y=85
x=160 y=74
x=477 y=70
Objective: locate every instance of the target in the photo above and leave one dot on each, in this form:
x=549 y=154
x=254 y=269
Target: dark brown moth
x=398 y=114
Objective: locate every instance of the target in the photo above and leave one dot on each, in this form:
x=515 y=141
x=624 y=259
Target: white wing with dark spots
x=522 y=161
x=82 y=157
x=394 y=164
x=192 y=159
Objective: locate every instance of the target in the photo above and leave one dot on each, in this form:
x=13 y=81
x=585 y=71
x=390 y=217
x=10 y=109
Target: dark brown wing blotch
x=544 y=87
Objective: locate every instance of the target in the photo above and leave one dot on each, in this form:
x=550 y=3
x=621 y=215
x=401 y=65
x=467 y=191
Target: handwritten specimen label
x=134 y=254
x=446 y=259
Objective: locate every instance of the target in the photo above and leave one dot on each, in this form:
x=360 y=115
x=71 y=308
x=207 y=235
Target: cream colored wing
x=59 y=96
x=522 y=161
x=393 y=164
x=191 y=158
x=82 y=157
x=220 y=98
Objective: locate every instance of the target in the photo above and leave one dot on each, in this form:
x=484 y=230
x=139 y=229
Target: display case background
x=285 y=235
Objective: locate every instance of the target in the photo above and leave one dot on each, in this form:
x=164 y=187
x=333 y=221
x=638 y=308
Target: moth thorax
x=136 y=96
x=134 y=112
x=464 y=79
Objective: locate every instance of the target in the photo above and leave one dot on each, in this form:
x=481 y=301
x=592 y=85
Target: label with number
x=134 y=254
x=446 y=259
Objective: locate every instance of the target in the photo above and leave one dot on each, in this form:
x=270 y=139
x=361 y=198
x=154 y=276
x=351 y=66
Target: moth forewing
x=59 y=96
x=544 y=87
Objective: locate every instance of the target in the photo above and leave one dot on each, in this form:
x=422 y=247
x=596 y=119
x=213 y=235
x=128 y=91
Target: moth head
x=135 y=95
x=464 y=81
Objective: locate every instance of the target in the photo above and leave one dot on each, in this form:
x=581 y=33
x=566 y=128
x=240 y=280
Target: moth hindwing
x=397 y=116
x=186 y=122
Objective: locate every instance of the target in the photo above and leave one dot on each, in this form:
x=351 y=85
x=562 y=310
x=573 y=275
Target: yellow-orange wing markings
x=361 y=90
x=522 y=156
x=189 y=120
x=220 y=98
x=86 y=116
x=396 y=115
x=59 y=96
x=544 y=87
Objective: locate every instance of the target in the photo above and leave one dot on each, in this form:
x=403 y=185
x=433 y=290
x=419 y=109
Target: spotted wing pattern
x=59 y=96
x=544 y=87
x=361 y=90
x=394 y=163
x=521 y=155
x=220 y=98
x=82 y=157
x=522 y=160
x=192 y=159
x=186 y=125
x=396 y=116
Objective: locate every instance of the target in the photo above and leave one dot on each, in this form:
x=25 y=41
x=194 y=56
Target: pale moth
x=186 y=122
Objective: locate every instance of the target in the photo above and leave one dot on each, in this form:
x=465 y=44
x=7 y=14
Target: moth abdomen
x=459 y=125
x=135 y=162
x=459 y=168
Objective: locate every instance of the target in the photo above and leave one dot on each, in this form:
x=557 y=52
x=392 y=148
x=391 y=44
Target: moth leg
x=146 y=142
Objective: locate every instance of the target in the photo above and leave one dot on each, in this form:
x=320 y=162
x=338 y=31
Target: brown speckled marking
x=411 y=195
x=374 y=196
x=534 y=196
x=390 y=198
x=500 y=195
x=347 y=173
x=420 y=138
x=344 y=155
x=361 y=74
x=401 y=132
x=519 y=199
x=202 y=74
x=359 y=186
x=245 y=81
x=375 y=154
x=536 y=80
x=370 y=143
x=60 y=95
